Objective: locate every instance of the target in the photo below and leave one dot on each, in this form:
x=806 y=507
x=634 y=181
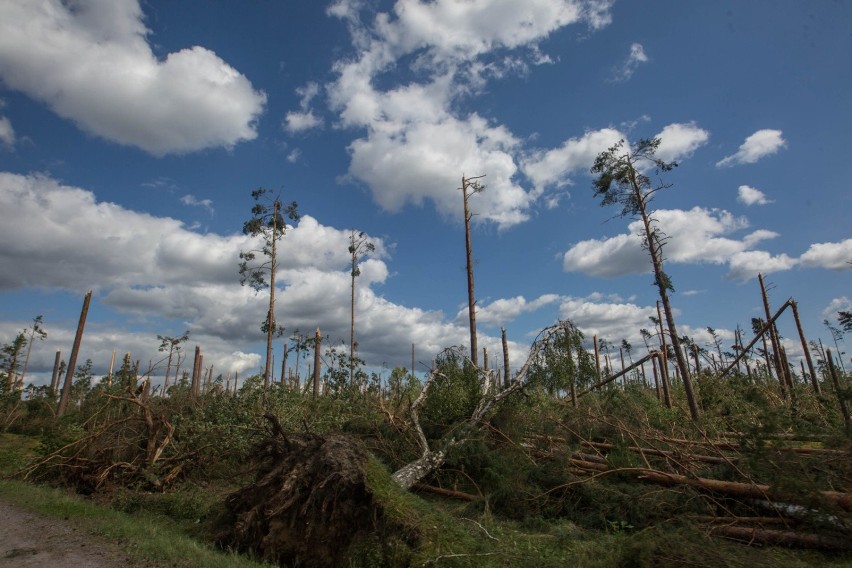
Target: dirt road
x=28 y=539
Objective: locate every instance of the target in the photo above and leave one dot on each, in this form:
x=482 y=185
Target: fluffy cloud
x=426 y=159
x=636 y=57
x=452 y=30
x=680 y=140
x=504 y=310
x=91 y=63
x=748 y=264
x=836 y=256
x=415 y=145
x=163 y=273
x=837 y=304
x=553 y=167
x=695 y=236
x=759 y=145
x=613 y=321
x=576 y=154
x=699 y=235
x=751 y=196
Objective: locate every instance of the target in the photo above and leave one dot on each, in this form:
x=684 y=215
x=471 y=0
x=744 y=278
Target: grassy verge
x=142 y=536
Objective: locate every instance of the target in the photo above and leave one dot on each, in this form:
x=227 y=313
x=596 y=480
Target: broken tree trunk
x=72 y=361
x=430 y=459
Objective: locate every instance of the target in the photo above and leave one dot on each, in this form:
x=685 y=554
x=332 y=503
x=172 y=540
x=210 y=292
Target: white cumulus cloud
x=745 y=265
x=759 y=145
x=836 y=256
x=697 y=235
x=680 y=140
x=157 y=268
x=751 y=196
x=552 y=167
x=90 y=62
x=415 y=145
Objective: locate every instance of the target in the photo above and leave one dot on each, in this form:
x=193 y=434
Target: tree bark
x=773 y=339
x=317 y=344
x=814 y=381
x=54 y=379
x=72 y=361
x=471 y=298
x=506 y=373
x=841 y=399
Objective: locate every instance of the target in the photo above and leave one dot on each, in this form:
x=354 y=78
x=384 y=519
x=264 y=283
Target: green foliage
x=519 y=466
x=268 y=222
x=453 y=396
x=620 y=179
x=562 y=362
x=845 y=320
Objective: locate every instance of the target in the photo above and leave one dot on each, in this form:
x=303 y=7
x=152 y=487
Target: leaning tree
x=621 y=180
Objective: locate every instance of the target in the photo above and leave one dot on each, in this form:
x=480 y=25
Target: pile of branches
x=310 y=499
x=125 y=444
x=738 y=506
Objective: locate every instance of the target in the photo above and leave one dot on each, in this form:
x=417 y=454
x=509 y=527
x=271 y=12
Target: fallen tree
x=310 y=499
x=431 y=459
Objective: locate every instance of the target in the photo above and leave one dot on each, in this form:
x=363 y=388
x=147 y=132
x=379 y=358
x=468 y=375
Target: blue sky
x=131 y=136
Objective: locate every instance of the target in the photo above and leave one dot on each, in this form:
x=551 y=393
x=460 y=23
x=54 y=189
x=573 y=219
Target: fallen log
x=663 y=453
x=730 y=488
x=751 y=535
x=734 y=446
x=445 y=492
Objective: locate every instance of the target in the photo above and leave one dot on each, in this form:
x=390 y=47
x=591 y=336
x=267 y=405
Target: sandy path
x=28 y=539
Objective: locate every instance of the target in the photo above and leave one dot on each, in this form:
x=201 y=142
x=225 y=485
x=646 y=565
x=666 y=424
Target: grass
x=143 y=536
x=159 y=537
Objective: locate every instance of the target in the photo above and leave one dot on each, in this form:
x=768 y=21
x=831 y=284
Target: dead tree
x=470 y=186
x=72 y=361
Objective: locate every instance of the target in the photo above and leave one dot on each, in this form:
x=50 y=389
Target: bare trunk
x=814 y=381
x=27 y=357
x=597 y=358
x=413 y=472
x=773 y=338
x=270 y=316
x=352 y=318
x=471 y=298
x=664 y=360
x=168 y=370
x=54 y=379
x=506 y=373
x=317 y=345
x=679 y=358
x=72 y=361
x=841 y=399
x=196 y=363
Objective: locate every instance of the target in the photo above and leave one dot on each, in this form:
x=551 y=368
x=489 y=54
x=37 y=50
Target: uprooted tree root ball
x=310 y=500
